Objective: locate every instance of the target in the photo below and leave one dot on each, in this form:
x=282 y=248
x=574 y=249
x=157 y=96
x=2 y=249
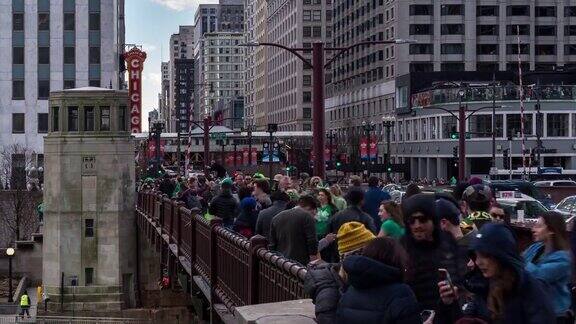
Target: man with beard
x=428 y=247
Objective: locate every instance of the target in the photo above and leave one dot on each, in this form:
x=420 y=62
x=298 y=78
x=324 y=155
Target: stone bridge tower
x=89 y=252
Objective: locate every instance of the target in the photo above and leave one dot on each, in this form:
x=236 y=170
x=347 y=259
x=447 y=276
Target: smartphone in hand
x=445 y=276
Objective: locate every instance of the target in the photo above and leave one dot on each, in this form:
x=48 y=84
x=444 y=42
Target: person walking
x=376 y=291
x=25 y=304
x=373 y=197
x=353 y=213
x=502 y=290
x=224 y=205
x=280 y=200
x=325 y=211
x=549 y=260
x=293 y=232
x=392 y=221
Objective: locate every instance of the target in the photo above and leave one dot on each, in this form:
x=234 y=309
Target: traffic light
x=506 y=158
x=455 y=152
x=453 y=133
x=338 y=165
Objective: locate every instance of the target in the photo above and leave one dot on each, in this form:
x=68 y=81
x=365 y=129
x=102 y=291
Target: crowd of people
x=430 y=258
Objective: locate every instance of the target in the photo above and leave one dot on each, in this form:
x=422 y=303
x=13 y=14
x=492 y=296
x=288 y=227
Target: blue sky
x=150 y=23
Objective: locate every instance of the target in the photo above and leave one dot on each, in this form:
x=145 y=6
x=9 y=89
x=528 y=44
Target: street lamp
x=10 y=253
x=462 y=137
x=318 y=65
x=330 y=135
x=388 y=122
x=368 y=127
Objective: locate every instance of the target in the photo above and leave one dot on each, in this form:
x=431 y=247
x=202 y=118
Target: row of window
x=486 y=66
x=490 y=49
x=69 y=55
x=68 y=21
x=491 y=30
x=494 y=11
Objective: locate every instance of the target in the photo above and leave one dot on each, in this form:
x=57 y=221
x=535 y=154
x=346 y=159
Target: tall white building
x=53 y=45
x=256 y=14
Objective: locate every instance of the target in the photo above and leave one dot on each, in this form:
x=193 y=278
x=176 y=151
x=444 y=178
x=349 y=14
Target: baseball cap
x=477 y=193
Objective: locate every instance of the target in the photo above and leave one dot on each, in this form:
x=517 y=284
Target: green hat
x=226 y=182
x=259 y=175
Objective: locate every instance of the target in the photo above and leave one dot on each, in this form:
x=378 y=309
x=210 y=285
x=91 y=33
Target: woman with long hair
x=392 y=221
x=549 y=260
x=337 y=197
x=376 y=291
x=325 y=211
x=502 y=290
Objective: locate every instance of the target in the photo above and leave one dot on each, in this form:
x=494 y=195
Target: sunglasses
x=421 y=219
x=497 y=215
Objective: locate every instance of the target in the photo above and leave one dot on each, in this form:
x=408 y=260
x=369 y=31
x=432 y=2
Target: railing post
x=162 y=211
x=179 y=211
x=256 y=242
x=192 y=239
x=214 y=223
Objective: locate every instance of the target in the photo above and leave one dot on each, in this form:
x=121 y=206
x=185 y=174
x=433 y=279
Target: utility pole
x=206 y=144
x=461 y=141
x=494 y=121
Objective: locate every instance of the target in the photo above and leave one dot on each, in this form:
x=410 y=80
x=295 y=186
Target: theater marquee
x=135 y=64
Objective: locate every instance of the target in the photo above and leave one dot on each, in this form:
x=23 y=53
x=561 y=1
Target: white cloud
x=148 y=47
x=152 y=77
x=177 y=5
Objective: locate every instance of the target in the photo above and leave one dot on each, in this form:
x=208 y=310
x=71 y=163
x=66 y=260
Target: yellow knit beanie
x=353 y=236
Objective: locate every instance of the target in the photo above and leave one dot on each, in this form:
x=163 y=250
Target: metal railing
x=73 y=320
x=240 y=271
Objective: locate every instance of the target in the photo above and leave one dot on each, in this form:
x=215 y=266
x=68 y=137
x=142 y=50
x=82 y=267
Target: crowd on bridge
x=429 y=257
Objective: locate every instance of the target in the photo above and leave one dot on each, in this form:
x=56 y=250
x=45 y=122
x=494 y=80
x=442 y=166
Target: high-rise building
x=293 y=23
x=48 y=46
x=181 y=74
x=255 y=63
x=164 y=96
x=222 y=71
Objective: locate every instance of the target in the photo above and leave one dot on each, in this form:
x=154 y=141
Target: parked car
x=567 y=206
x=524 y=187
x=513 y=201
x=555 y=183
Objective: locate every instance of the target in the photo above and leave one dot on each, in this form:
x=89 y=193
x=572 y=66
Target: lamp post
x=157 y=128
x=318 y=65
x=272 y=128
x=462 y=137
x=10 y=253
x=368 y=127
x=388 y=122
x=249 y=127
x=330 y=135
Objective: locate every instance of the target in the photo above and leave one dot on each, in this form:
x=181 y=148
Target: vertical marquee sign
x=135 y=64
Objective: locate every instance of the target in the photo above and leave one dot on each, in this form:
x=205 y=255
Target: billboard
x=135 y=64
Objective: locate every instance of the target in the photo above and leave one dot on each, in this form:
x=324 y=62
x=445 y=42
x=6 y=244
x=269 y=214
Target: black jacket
x=265 y=217
x=376 y=294
x=351 y=214
x=167 y=187
x=322 y=283
x=224 y=206
x=293 y=234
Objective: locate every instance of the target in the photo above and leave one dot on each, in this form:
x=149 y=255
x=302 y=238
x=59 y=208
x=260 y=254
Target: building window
x=105 y=118
x=421 y=67
x=518 y=10
x=55 y=119
x=17 y=89
x=513 y=124
x=570 y=50
x=557 y=125
x=43 y=21
x=487 y=30
x=421 y=49
x=452 y=29
x=72 y=119
x=545 y=30
x=570 y=11
x=545 y=49
x=89 y=227
x=69 y=21
x=18 y=123
x=307 y=127
x=545 y=11
x=307 y=96
x=17 y=55
x=89 y=276
x=421 y=10
x=43 y=89
x=94 y=21
x=306 y=80
x=570 y=30
x=420 y=29
x=122 y=122
x=482 y=125
x=452 y=49
x=448 y=125
x=43 y=55
x=487 y=49
x=452 y=66
x=42 y=123
x=452 y=10
x=69 y=84
x=513 y=49
x=18 y=22
x=316 y=31
x=94 y=83
x=69 y=55
x=306 y=15
x=518 y=29
x=487 y=66
x=306 y=112
x=94 y=55
x=89 y=119
x=306 y=31
x=487 y=11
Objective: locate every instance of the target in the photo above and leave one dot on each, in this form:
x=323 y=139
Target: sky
x=150 y=23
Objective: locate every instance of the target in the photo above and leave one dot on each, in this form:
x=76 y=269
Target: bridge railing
x=239 y=271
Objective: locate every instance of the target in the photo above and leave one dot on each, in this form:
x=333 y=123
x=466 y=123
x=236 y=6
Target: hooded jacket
x=426 y=257
x=528 y=302
x=554 y=269
x=224 y=206
x=323 y=284
x=376 y=294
